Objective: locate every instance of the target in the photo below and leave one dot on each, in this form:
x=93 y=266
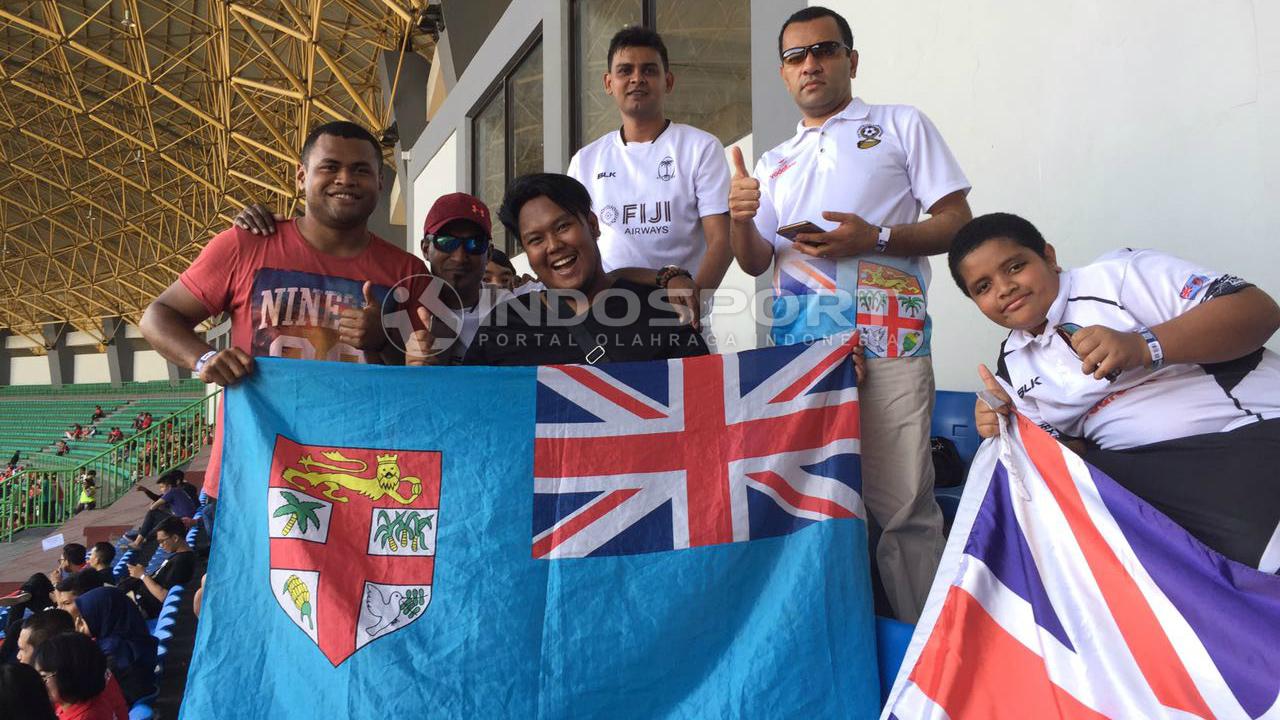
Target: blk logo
x=603 y=175
x=1031 y=384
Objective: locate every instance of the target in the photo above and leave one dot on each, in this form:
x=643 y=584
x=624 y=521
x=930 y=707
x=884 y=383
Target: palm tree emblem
x=911 y=304
x=299 y=512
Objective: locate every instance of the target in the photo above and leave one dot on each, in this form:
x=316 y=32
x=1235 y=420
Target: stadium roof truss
x=130 y=130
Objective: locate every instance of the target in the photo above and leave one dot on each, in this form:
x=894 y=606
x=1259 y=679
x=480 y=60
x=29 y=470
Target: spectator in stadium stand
x=150 y=590
x=101 y=556
x=551 y=216
x=88 y=499
x=1151 y=367
x=137 y=421
x=61 y=448
x=13 y=461
x=79 y=683
x=23 y=695
x=115 y=435
x=147 y=420
x=499 y=272
x=98 y=414
x=72 y=560
x=117 y=625
x=327 y=259
x=40 y=627
x=172 y=501
x=74 y=432
x=89 y=432
x=35 y=595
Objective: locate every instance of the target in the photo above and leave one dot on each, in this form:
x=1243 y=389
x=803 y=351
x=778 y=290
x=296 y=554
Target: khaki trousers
x=897 y=478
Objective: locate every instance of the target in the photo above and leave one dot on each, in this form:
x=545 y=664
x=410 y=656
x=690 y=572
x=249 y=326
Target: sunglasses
x=475 y=245
x=824 y=50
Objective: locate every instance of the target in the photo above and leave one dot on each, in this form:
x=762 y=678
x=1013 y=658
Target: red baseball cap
x=457 y=206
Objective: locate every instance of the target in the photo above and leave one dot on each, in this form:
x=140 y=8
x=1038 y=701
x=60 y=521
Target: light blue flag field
x=680 y=539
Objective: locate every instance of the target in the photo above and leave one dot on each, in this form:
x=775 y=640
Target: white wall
x=148 y=365
x=91 y=368
x=440 y=177
x=1132 y=123
x=28 y=369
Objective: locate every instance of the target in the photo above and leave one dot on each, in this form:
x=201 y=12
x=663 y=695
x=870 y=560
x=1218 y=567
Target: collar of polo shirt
x=1021 y=338
x=855 y=110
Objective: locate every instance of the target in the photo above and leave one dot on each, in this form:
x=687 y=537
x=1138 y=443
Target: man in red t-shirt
x=293 y=294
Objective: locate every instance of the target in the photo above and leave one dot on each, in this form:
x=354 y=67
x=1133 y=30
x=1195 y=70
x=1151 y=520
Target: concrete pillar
x=5 y=373
x=119 y=352
x=773 y=113
x=61 y=362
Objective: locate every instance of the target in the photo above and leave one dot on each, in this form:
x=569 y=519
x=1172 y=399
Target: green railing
x=143 y=387
x=47 y=497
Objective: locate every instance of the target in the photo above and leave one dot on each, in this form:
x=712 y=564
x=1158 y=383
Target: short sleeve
x=711 y=184
x=767 y=215
x=575 y=167
x=1158 y=287
x=211 y=277
x=932 y=168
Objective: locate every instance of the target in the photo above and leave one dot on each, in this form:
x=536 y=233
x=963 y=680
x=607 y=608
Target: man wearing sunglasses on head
x=836 y=211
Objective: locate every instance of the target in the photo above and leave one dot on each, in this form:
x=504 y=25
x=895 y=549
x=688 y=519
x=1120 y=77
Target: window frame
x=501 y=86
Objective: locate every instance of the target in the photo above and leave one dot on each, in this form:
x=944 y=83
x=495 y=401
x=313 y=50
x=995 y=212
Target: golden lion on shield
x=386 y=480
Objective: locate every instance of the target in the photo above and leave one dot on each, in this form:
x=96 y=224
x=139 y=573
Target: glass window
x=507 y=138
x=709 y=44
x=490 y=168
x=594 y=24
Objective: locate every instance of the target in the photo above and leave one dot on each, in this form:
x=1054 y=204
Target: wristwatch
x=882 y=243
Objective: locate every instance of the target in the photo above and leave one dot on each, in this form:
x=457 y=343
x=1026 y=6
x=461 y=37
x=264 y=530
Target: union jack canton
x=645 y=457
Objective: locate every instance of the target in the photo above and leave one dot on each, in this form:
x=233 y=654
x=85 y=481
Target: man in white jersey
x=836 y=210
x=660 y=188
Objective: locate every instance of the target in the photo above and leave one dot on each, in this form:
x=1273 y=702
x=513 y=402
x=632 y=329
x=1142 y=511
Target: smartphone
x=804 y=226
x=1065 y=331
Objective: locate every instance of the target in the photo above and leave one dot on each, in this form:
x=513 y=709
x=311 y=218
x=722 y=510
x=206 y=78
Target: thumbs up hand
x=986 y=417
x=419 y=350
x=361 y=328
x=744 y=191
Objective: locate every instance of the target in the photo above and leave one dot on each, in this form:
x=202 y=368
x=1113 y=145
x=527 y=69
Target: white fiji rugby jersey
x=651 y=197
x=1124 y=290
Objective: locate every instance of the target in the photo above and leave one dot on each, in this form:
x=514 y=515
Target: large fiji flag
x=1062 y=595
x=672 y=539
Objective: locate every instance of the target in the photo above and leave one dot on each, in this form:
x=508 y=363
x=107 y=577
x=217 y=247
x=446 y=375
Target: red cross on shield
x=353 y=540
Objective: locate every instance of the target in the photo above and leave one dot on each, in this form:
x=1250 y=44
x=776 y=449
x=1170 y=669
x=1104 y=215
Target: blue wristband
x=1157 y=352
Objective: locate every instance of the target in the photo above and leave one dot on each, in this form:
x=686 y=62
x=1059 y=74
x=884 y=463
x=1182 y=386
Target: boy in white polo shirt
x=859 y=176
x=659 y=188
x=1152 y=368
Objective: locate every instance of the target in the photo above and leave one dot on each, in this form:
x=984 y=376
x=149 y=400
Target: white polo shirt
x=1124 y=290
x=884 y=163
x=651 y=197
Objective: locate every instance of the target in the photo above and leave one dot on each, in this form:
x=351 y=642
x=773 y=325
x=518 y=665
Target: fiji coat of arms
x=353 y=540
x=891 y=310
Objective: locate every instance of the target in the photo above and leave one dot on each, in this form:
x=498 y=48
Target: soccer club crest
x=353 y=540
x=891 y=310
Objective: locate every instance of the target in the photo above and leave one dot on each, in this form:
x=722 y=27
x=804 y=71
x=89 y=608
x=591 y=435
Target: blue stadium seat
x=142 y=710
x=156 y=561
x=953 y=418
x=949 y=501
x=892 y=639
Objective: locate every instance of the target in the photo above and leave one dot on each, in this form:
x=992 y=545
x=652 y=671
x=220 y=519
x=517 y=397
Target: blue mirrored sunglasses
x=474 y=245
